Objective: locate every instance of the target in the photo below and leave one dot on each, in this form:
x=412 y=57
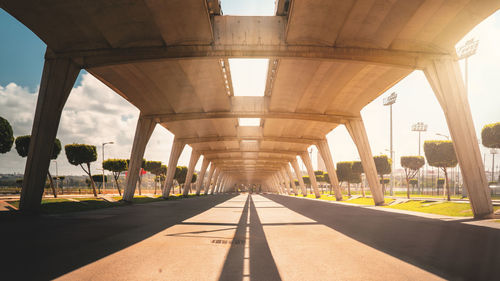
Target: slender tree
x=357 y=168
x=411 y=165
x=116 y=166
x=23 y=146
x=79 y=154
x=180 y=176
x=441 y=154
x=6 y=136
x=154 y=167
x=383 y=165
x=344 y=171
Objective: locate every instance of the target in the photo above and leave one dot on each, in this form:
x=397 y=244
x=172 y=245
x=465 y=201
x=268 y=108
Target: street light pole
x=57 y=175
x=103 y=181
x=419 y=127
x=493 y=152
x=464 y=52
x=390 y=100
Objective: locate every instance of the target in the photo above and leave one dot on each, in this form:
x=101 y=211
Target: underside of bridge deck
x=327 y=60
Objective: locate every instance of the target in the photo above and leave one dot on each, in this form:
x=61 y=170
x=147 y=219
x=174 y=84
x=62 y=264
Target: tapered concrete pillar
x=285 y=180
x=324 y=150
x=298 y=173
x=175 y=153
x=143 y=131
x=277 y=183
x=292 y=181
x=214 y=180
x=58 y=78
x=201 y=176
x=195 y=156
x=208 y=180
x=288 y=188
x=310 y=171
x=217 y=181
x=357 y=131
x=445 y=79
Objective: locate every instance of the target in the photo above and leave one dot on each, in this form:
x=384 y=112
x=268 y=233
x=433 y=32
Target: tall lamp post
x=468 y=49
x=57 y=175
x=103 y=181
x=493 y=152
x=419 y=127
x=390 y=100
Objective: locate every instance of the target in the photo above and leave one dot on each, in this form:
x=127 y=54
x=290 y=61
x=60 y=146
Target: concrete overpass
x=327 y=60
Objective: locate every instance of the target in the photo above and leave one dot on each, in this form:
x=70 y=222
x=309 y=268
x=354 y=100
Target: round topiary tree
x=357 y=168
x=490 y=135
x=344 y=171
x=23 y=146
x=411 y=165
x=441 y=154
x=383 y=165
x=116 y=166
x=6 y=136
x=79 y=154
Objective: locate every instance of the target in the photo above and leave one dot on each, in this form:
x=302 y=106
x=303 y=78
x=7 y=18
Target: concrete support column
x=195 y=156
x=201 y=176
x=296 y=168
x=58 y=78
x=288 y=188
x=357 y=131
x=175 y=153
x=324 y=150
x=208 y=180
x=280 y=182
x=292 y=181
x=217 y=182
x=143 y=131
x=445 y=78
x=312 y=177
x=214 y=180
x=285 y=181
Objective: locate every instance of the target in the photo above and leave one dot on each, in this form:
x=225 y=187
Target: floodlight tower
x=419 y=127
x=390 y=100
x=468 y=49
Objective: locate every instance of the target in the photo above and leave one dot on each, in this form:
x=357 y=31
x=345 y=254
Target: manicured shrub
x=441 y=154
x=490 y=135
x=6 y=136
x=80 y=154
x=116 y=166
x=411 y=165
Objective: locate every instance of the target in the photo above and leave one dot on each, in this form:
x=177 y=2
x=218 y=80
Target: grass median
x=69 y=205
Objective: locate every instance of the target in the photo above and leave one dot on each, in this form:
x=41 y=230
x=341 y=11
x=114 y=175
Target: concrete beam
x=281 y=152
x=195 y=140
x=327 y=118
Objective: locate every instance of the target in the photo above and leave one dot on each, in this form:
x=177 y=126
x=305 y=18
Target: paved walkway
x=241 y=237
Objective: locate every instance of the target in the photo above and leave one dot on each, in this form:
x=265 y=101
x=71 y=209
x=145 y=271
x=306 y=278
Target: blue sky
x=95 y=114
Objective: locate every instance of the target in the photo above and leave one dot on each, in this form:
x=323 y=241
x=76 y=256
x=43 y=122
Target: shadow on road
x=450 y=249
x=48 y=246
x=255 y=263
